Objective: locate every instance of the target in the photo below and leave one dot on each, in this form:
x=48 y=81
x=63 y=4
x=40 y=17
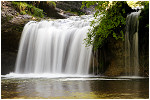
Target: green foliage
x=23 y=13
x=8 y=18
x=80 y=13
x=25 y=8
x=51 y=3
x=144 y=16
x=142 y=3
x=110 y=20
x=38 y=12
x=17 y=28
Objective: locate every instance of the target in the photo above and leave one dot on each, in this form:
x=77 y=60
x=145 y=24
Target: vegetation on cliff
x=25 y=8
x=112 y=21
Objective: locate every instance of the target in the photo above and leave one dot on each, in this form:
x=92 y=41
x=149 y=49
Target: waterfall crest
x=131 y=45
x=55 y=47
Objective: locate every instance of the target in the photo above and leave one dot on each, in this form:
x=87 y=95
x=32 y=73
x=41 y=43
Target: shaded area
x=8 y=62
x=144 y=41
x=74 y=88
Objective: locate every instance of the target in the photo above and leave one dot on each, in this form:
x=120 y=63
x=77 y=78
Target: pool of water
x=74 y=88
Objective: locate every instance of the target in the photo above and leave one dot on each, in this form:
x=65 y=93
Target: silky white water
x=131 y=45
x=55 y=47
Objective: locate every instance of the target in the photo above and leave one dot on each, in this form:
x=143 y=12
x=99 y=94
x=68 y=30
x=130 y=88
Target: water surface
x=75 y=87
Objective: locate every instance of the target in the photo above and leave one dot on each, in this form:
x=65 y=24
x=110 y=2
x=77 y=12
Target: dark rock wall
x=111 y=58
x=116 y=53
x=11 y=28
x=8 y=60
x=50 y=10
x=69 y=5
x=144 y=41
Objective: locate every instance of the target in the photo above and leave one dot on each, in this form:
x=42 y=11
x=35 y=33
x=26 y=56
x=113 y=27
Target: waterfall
x=55 y=47
x=131 y=45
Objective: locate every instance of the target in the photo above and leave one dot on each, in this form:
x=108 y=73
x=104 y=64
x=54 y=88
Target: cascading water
x=55 y=47
x=131 y=45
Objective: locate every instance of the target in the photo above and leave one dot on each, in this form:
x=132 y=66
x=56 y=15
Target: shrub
x=25 y=8
x=51 y=3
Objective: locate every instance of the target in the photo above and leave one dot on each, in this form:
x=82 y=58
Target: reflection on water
x=72 y=88
x=51 y=88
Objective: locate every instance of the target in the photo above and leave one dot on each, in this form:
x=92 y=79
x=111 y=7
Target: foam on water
x=69 y=77
x=132 y=77
x=44 y=75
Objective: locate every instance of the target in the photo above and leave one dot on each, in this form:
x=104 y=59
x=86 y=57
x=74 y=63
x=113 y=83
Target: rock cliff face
x=74 y=7
x=144 y=41
x=115 y=56
x=12 y=24
x=109 y=60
